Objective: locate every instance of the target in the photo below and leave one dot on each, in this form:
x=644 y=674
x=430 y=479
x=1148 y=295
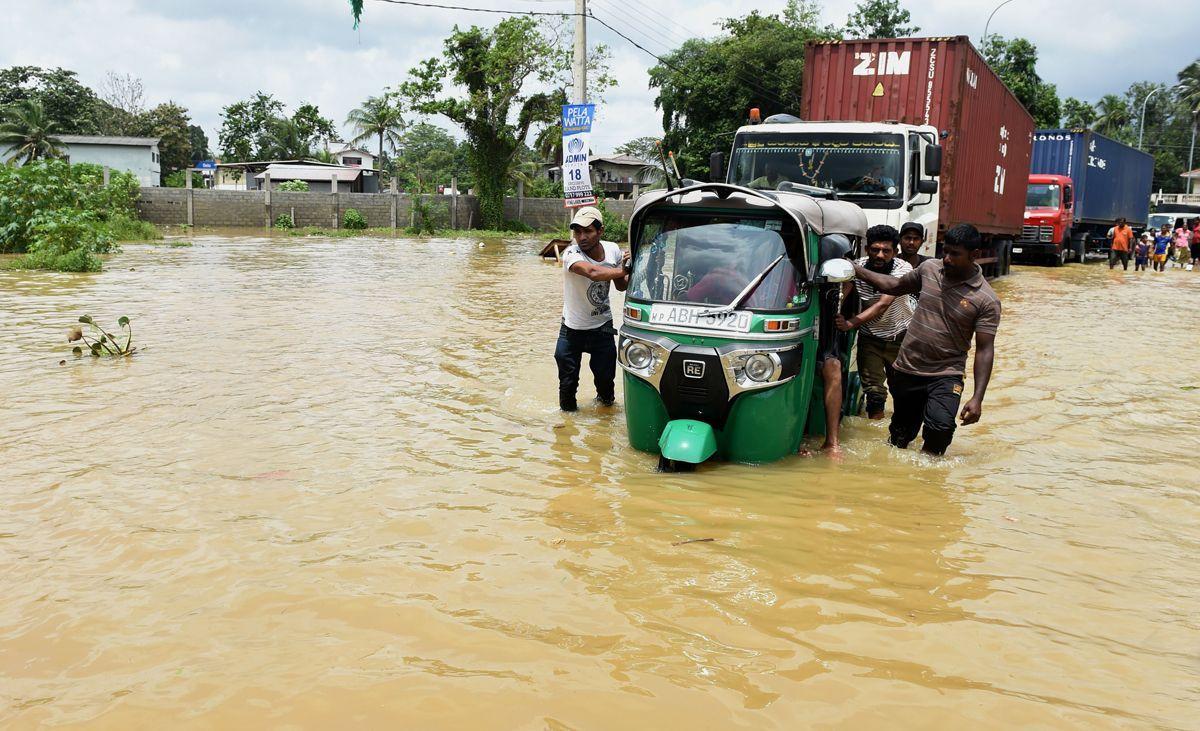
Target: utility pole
x=579 y=60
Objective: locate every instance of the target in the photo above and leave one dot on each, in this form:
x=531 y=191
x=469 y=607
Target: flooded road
x=334 y=491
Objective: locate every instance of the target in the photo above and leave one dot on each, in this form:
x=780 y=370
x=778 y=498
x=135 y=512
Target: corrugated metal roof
x=620 y=160
x=310 y=172
x=103 y=140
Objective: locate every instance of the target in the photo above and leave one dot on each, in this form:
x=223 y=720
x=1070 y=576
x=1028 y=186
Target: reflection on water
x=334 y=489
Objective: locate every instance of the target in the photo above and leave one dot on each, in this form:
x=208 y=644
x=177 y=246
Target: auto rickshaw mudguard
x=687 y=440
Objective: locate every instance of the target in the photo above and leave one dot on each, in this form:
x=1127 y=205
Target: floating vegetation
x=99 y=341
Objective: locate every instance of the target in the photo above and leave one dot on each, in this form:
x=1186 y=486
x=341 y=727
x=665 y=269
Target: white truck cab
x=888 y=169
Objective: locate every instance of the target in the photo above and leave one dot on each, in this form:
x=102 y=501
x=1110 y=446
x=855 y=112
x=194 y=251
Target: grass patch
x=440 y=233
x=178 y=244
x=125 y=228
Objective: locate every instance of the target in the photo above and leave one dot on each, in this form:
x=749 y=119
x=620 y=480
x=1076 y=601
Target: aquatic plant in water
x=101 y=341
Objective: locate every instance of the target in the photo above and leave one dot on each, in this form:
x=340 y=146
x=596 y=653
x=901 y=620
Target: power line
x=476 y=10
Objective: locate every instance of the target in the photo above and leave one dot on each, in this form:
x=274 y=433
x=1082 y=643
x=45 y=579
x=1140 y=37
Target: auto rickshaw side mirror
x=837 y=270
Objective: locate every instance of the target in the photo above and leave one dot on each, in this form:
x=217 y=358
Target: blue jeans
x=568 y=353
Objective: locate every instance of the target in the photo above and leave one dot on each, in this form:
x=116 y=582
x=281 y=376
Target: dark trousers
x=1114 y=256
x=929 y=401
x=875 y=356
x=600 y=344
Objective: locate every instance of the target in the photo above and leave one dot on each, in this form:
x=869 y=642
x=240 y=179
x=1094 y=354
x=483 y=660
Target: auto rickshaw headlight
x=638 y=355
x=759 y=367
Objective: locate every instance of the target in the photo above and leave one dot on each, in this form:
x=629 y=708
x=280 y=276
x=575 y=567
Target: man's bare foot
x=875 y=416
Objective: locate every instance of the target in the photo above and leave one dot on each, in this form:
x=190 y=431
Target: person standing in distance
x=912 y=238
x=589 y=265
x=1122 y=243
x=954 y=304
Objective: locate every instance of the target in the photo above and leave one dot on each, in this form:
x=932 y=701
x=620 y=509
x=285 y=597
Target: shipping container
x=986 y=133
x=1111 y=180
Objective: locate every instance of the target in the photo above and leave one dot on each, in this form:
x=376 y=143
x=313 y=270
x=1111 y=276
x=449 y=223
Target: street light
x=1142 y=123
x=989 y=21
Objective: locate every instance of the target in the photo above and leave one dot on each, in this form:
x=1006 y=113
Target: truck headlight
x=638 y=355
x=759 y=367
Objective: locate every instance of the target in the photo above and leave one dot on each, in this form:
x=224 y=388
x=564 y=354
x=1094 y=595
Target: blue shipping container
x=1111 y=179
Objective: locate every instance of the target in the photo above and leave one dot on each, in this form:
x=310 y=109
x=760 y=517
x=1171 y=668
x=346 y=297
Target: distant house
x=617 y=175
x=354 y=157
x=249 y=175
x=138 y=155
x=319 y=177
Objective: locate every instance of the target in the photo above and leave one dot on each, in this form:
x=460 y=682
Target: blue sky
x=205 y=54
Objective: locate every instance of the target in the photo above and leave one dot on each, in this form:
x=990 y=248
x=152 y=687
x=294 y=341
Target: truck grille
x=1037 y=233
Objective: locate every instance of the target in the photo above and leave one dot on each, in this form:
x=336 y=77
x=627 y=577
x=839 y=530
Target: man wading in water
x=954 y=303
x=589 y=265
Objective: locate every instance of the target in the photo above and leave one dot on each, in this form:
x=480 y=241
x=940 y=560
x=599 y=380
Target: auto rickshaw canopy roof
x=821 y=216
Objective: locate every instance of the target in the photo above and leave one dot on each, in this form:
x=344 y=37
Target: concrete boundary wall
x=254 y=208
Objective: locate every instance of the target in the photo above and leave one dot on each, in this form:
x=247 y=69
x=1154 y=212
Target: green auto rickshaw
x=729 y=292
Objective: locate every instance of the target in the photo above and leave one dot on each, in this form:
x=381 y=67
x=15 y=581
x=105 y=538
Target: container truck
x=1080 y=183
x=912 y=129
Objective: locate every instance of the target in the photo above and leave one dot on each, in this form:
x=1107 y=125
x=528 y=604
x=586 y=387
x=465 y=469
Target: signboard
x=577 y=137
x=205 y=165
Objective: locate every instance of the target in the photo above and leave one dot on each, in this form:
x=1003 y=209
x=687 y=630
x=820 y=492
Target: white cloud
x=206 y=54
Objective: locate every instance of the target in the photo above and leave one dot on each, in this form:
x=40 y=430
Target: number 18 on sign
x=577 y=175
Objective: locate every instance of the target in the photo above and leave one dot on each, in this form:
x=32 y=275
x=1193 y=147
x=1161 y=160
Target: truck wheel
x=1080 y=246
x=1059 y=259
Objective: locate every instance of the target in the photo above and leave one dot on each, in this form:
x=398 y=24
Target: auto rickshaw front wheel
x=674 y=465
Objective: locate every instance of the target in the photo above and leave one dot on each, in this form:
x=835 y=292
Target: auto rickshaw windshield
x=707 y=260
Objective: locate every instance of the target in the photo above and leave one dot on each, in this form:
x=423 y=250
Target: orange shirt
x=1121 y=237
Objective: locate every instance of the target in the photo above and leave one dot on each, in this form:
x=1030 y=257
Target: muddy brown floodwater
x=334 y=491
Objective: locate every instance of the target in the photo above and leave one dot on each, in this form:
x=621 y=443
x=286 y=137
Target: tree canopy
x=880 y=19
x=1015 y=62
x=28 y=133
x=257 y=129
x=512 y=77
x=706 y=87
x=71 y=106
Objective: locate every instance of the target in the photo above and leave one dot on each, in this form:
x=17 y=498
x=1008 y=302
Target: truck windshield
x=709 y=260
x=860 y=167
x=1042 y=195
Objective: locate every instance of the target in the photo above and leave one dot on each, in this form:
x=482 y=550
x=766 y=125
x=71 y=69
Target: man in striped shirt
x=883 y=320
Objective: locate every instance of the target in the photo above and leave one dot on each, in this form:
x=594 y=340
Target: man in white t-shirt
x=589 y=265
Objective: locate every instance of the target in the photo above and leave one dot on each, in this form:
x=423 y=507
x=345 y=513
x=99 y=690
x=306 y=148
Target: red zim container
x=987 y=135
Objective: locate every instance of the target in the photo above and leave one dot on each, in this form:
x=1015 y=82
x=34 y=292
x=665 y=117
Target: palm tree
x=1112 y=114
x=377 y=117
x=28 y=133
x=1189 y=86
x=285 y=140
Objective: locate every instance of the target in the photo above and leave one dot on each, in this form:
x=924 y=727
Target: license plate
x=685 y=316
x=1017 y=250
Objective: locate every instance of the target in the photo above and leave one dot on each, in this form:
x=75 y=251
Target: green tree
x=28 y=133
x=495 y=109
x=168 y=122
x=1112 y=115
x=1015 y=62
x=1077 y=114
x=880 y=19
x=427 y=156
x=311 y=124
x=288 y=139
x=72 y=107
x=245 y=126
x=378 y=116
x=707 y=86
x=199 y=141
x=643 y=148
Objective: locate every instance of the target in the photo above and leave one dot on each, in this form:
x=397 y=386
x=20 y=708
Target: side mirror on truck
x=926 y=186
x=933 y=160
x=716 y=167
x=1067 y=197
